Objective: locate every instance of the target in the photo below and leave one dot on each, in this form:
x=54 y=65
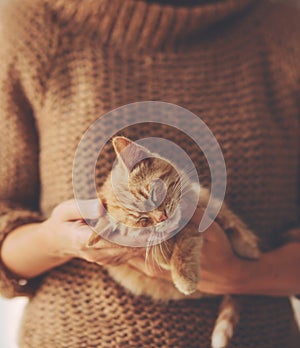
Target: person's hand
x=67 y=234
x=34 y=248
x=221 y=271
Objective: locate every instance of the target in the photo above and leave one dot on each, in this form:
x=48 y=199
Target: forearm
x=276 y=273
x=26 y=251
x=33 y=249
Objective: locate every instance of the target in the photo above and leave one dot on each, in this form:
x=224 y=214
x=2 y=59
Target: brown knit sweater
x=64 y=63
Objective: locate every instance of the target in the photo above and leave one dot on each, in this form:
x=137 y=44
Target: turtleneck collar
x=144 y=25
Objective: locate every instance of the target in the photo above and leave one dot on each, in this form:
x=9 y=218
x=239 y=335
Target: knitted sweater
x=63 y=64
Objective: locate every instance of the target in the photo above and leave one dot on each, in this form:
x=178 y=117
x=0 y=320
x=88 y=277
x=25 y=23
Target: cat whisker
x=147 y=254
x=163 y=252
x=184 y=182
x=156 y=259
x=149 y=262
x=187 y=190
x=166 y=245
x=150 y=245
x=189 y=169
x=186 y=168
x=180 y=185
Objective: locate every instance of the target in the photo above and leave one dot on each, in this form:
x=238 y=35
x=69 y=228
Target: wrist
x=255 y=277
x=275 y=273
x=30 y=250
x=246 y=276
x=55 y=245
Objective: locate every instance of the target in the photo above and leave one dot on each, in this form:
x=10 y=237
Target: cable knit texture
x=234 y=63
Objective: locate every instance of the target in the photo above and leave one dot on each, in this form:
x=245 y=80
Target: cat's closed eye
x=145 y=221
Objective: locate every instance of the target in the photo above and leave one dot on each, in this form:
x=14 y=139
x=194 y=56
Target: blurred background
x=10 y=315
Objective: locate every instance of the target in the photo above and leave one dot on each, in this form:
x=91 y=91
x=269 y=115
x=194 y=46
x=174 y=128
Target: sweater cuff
x=10 y=284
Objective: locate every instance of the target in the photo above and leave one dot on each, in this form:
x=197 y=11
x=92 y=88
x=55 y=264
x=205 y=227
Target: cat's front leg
x=185 y=260
x=244 y=242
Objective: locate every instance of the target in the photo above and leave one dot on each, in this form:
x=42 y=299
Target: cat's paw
x=246 y=245
x=186 y=285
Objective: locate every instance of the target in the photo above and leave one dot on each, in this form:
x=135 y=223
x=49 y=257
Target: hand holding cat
x=57 y=240
x=63 y=236
x=68 y=233
x=221 y=270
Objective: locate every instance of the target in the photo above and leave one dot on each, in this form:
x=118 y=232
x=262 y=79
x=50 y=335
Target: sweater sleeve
x=282 y=36
x=283 y=39
x=22 y=64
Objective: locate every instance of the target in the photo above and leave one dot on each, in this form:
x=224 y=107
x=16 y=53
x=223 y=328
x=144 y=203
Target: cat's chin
x=167 y=231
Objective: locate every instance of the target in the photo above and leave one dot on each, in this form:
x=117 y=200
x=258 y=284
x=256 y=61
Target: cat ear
x=129 y=152
x=120 y=143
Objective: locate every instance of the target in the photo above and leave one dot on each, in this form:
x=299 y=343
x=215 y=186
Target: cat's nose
x=163 y=216
x=159 y=216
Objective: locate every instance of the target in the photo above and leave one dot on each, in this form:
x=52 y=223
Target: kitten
x=143 y=198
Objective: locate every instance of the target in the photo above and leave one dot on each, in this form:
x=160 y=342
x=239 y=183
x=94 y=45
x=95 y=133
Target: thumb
x=82 y=233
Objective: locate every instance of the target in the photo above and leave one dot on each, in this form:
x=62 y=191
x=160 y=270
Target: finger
x=82 y=234
x=104 y=244
x=67 y=211
x=91 y=208
x=76 y=210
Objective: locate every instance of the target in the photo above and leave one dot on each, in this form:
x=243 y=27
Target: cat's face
x=147 y=189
